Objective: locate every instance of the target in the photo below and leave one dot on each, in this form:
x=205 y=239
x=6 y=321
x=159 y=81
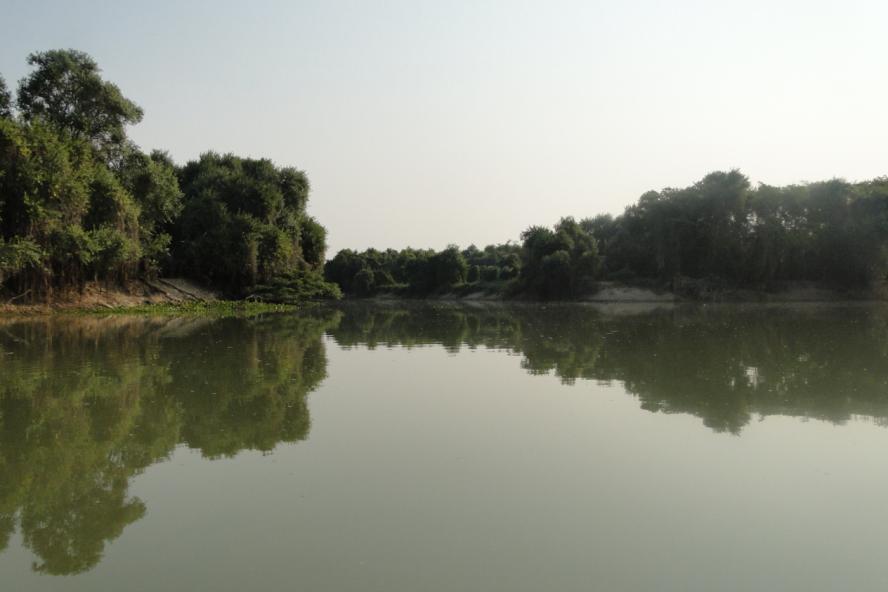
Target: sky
x=424 y=123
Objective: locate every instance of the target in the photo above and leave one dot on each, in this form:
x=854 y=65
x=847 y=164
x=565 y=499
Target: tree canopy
x=5 y=99
x=66 y=90
x=833 y=232
x=420 y=272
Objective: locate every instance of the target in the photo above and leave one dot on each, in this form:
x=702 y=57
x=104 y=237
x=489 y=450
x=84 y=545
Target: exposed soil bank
x=98 y=295
x=686 y=290
x=708 y=291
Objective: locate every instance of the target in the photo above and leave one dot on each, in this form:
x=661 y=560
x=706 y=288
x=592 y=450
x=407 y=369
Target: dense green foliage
x=64 y=215
x=420 y=272
x=721 y=231
x=721 y=227
x=293 y=288
x=253 y=212
x=80 y=202
x=559 y=263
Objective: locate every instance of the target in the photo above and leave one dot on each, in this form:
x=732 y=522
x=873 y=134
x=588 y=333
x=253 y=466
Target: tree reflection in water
x=724 y=364
x=88 y=403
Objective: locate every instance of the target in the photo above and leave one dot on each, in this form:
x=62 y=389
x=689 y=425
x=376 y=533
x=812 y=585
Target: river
x=447 y=447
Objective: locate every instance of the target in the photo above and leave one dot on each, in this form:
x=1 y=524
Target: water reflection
x=724 y=364
x=87 y=403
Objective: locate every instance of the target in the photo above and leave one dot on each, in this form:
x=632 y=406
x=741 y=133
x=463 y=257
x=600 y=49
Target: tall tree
x=66 y=90
x=5 y=99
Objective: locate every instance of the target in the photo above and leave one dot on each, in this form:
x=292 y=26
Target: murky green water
x=447 y=448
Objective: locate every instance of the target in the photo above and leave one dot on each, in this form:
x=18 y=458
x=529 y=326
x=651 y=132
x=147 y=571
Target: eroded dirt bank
x=97 y=296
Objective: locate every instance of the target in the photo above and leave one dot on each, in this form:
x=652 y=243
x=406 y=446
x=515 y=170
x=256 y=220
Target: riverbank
x=163 y=296
x=176 y=296
x=683 y=290
x=693 y=290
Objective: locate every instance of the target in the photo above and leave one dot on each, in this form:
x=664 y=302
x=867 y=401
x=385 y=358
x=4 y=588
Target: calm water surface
x=447 y=448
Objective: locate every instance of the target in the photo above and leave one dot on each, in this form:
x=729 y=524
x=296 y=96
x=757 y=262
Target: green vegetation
x=254 y=214
x=80 y=202
x=415 y=272
x=720 y=231
x=559 y=263
x=832 y=232
x=214 y=308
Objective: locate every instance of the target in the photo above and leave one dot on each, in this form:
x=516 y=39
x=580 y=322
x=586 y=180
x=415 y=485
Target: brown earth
x=97 y=295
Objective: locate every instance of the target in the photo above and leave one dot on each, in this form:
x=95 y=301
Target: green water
x=447 y=448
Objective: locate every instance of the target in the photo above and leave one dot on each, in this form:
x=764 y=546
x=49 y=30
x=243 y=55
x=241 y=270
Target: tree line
x=720 y=230
x=420 y=272
x=833 y=232
x=81 y=202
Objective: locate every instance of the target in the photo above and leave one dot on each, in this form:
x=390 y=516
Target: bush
x=294 y=288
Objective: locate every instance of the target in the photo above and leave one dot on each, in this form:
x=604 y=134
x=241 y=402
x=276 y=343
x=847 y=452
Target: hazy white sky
x=426 y=122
